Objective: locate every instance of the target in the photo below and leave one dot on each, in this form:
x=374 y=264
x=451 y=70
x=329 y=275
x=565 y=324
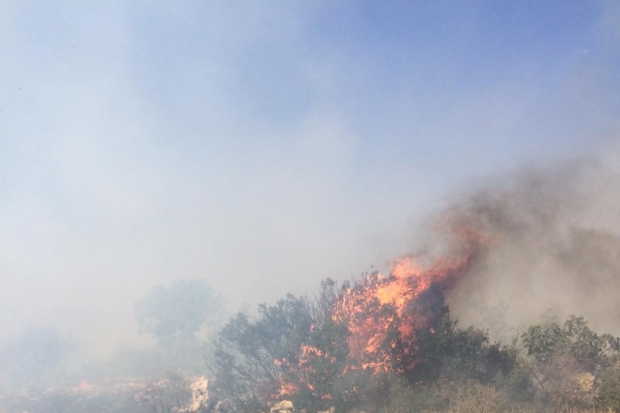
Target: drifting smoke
x=500 y=258
x=544 y=238
x=558 y=249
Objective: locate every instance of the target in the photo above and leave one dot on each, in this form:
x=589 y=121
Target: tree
x=560 y=354
x=174 y=314
x=573 y=339
x=36 y=357
x=609 y=391
x=248 y=356
x=296 y=349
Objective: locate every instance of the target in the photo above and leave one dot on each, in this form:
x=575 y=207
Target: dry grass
x=472 y=398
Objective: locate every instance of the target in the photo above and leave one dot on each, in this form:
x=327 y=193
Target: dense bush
x=559 y=357
x=295 y=349
x=609 y=390
x=298 y=350
x=38 y=357
x=175 y=315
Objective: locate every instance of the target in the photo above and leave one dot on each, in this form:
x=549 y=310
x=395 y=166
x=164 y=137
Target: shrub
x=609 y=390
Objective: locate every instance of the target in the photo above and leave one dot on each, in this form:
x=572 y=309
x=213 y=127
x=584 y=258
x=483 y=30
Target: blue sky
x=264 y=146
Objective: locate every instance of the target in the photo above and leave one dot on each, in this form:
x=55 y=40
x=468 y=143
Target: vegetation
x=37 y=357
x=174 y=315
x=296 y=349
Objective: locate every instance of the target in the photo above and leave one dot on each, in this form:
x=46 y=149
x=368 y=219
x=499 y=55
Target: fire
x=303 y=370
x=287 y=389
x=383 y=315
x=380 y=312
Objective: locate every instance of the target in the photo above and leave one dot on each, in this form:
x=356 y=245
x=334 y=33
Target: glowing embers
x=305 y=372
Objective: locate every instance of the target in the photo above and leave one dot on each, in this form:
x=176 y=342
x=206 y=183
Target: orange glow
x=383 y=315
x=287 y=389
x=379 y=312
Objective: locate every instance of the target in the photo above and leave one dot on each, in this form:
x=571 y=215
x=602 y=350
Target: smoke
x=556 y=247
x=262 y=148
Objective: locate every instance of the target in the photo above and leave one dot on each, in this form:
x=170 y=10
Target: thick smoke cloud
x=556 y=246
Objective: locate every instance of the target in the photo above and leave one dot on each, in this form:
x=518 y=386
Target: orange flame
x=383 y=314
x=287 y=389
x=377 y=311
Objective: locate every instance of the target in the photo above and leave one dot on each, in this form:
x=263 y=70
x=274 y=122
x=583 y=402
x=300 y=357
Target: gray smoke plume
x=555 y=247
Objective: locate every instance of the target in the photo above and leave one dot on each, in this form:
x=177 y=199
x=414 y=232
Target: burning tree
x=346 y=347
x=353 y=344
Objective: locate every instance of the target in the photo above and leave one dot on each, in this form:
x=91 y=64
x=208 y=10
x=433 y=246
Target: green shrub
x=609 y=390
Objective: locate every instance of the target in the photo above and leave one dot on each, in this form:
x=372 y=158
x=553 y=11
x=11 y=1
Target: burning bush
x=389 y=342
x=345 y=348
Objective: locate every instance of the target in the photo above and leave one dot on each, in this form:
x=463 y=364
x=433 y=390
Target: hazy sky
x=264 y=146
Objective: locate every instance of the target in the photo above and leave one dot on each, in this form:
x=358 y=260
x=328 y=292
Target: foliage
x=242 y=360
x=402 y=397
x=471 y=397
x=174 y=314
x=295 y=349
x=164 y=396
x=559 y=355
x=609 y=391
x=36 y=357
x=573 y=339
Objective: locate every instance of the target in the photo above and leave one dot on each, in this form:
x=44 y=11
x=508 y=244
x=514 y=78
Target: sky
x=263 y=146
